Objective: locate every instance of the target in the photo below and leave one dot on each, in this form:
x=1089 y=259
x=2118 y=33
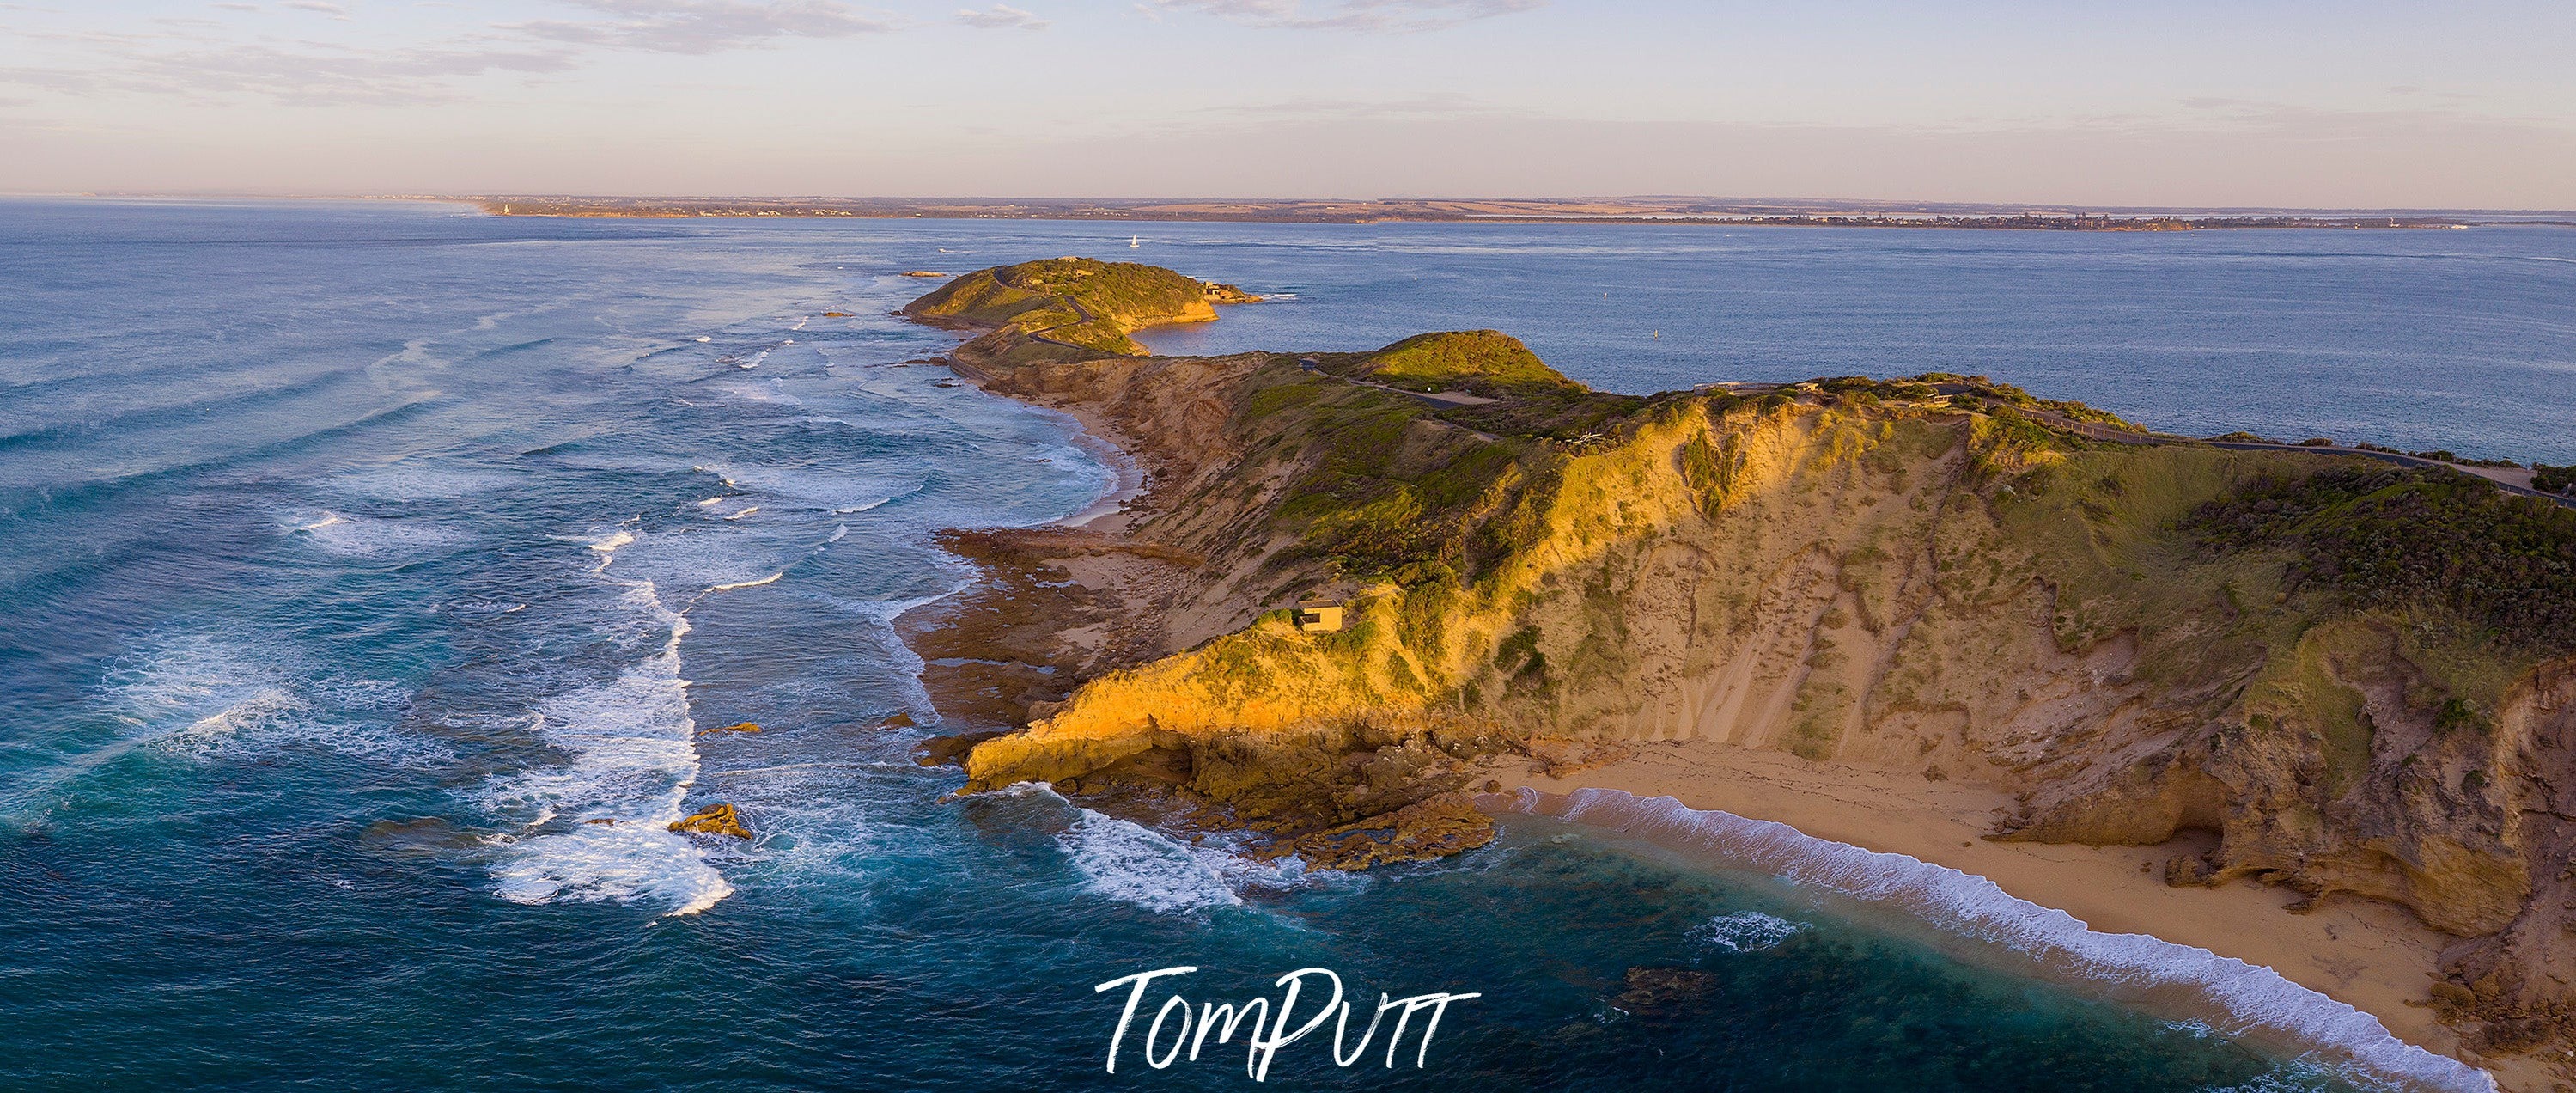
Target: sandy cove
x=2372 y=956
x=1063 y=603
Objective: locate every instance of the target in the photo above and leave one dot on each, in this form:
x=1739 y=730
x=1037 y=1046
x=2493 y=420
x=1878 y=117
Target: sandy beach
x=2373 y=956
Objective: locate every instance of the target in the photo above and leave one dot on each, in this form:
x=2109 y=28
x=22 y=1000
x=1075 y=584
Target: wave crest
x=2249 y=1000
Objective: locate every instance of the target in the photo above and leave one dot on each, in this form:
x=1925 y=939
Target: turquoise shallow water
x=356 y=555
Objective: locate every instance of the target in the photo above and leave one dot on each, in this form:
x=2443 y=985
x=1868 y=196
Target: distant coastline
x=1729 y=213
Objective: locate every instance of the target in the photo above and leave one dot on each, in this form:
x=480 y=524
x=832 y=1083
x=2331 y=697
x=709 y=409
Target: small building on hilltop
x=1319 y=616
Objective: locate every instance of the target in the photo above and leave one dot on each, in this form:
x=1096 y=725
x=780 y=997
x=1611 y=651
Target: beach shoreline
x=2373 y=956
x=1023 y=650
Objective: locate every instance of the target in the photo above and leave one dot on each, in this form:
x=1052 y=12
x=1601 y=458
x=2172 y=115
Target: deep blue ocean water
x=356 y=555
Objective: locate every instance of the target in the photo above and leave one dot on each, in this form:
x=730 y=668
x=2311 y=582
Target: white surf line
x=2255 y=1000
x=792 y=768
x=772 y=578
x=606 y=547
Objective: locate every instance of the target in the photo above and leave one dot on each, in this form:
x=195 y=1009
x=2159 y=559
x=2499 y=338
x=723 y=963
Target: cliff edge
x=2357 y=678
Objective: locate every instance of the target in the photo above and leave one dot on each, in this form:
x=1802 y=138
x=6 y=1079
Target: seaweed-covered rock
x=713 y=820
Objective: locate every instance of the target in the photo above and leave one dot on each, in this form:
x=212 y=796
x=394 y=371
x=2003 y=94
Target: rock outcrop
x=2361 y=686
x=1068 y=308
x=713 y=820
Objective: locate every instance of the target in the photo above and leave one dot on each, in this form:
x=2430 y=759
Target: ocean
x=360 y=556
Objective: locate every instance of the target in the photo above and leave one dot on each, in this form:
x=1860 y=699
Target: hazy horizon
x=1807 y=205
x=2296 y=105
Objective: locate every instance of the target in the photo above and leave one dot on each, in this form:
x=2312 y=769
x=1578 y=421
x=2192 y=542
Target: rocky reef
x=713 y=820
x=2357 y=678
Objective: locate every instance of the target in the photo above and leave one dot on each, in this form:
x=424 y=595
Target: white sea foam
x=1745 y=931
x=631 y=763
x=413 y=482
x=2242 y=999
x=367 y=537
x=1135 y=864
x=770 y=579
x=699 y=557
x=842 y=491
x=209 y=697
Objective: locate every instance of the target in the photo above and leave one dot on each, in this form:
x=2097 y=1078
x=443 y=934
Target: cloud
x=387 y=77
x=238 y=7
x=1001 y=17
x=701 y=26
x=190 y=65
x=1367 y=15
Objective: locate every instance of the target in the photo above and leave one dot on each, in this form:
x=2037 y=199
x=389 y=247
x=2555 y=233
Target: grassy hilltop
x=2361 y=678
x=1070 y=308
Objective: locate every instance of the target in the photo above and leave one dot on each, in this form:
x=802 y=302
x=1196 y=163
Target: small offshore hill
x=2351 y=679
x=1072 y=308
x=1628 y=210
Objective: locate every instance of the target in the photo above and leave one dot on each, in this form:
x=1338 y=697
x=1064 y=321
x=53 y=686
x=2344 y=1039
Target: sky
x=2162 y=103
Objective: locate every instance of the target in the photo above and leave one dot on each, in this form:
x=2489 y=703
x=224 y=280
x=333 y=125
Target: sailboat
x=1135 y=241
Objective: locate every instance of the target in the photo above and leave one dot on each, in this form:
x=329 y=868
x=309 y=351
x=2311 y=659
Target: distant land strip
x=1506 y=211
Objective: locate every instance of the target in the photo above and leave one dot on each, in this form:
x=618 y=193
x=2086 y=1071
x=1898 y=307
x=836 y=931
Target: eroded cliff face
x=1912 y=574
x=1905 y=585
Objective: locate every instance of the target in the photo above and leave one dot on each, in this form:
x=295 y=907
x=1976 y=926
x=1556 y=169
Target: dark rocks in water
x=713 y=820
x=426 y=835
x=950 y=751
x=1657 y=992
x=1434 y=827
x=898 y=721
x=739 y=726
x=601 y=821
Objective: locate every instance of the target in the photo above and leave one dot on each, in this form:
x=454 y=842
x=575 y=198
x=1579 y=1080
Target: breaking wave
x=1745 y=932
x=1132 y=863
x=2248 y=1000
x=204 y=696
x=598 y=827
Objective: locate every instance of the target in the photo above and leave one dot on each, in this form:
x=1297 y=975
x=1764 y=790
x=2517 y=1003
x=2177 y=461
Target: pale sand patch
x=2369 y=955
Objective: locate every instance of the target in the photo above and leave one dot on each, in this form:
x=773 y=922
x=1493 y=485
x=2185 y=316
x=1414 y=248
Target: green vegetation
x=2397 y=537
x=1071 y=303
x=1484 y=359
x=1528 y=398
x=1979 y=389
x=1392 y=493
x=1379 y=485
x=2439 y=455
x=2548 y=479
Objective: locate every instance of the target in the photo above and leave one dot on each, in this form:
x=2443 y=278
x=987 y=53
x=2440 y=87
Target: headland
x=2183 y=688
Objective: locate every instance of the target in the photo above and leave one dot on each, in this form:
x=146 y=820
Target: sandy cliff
x=2356 y=679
